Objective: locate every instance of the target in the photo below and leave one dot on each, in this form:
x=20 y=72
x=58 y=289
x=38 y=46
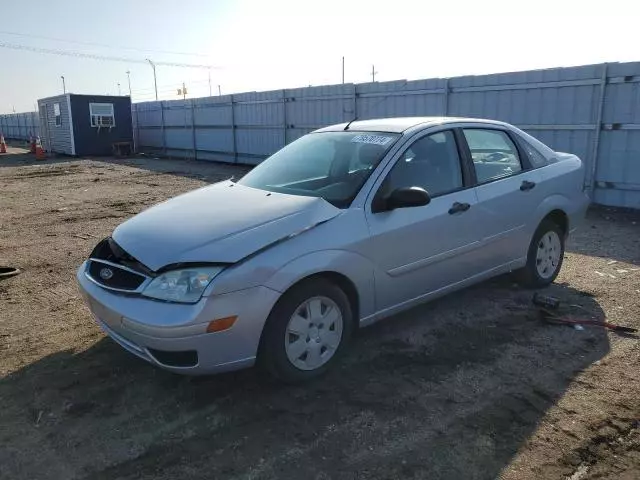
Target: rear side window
x=537 y=159
x=494 y=154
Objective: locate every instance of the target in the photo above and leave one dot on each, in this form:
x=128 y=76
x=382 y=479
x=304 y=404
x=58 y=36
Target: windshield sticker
x=371 y=139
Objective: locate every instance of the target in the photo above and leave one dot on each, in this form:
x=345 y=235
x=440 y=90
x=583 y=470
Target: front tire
x=545 y=256
x=307 y=331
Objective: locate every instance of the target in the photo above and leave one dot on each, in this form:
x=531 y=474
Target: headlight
x=185 y=286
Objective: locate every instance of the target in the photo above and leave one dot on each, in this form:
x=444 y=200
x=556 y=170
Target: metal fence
x=592 y=111
x=19 y=126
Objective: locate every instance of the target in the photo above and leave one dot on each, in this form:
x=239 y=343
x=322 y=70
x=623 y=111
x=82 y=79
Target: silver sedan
x=341 y=228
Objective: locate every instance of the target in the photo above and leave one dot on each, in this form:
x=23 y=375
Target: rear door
x=506 y=192
x=419 y=250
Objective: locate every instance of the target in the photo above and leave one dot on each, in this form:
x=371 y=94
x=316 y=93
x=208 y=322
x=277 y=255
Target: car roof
x=401 y=124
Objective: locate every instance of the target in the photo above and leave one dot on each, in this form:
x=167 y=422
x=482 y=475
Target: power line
x=95 y=44
x=109 y=58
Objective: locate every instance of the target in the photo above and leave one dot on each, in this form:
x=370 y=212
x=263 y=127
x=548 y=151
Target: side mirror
x=406 y=197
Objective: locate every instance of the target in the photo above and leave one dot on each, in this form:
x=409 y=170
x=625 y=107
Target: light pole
x=155 y=82
x=129 y=80
x=119 y=91
x=64 y=87
x=210 y=82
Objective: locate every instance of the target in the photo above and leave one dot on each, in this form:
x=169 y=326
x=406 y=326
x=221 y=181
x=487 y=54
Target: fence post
x=284 y=117
x=164 y=140
x=136 y=123
x=193 y=129
x=446 y=97
x=233 y=130
x=355 y=102
x=596 y=135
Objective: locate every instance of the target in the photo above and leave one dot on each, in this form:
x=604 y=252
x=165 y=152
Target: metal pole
x=193 y=129
x=596 y=135
x=446 y=97
x=164 y=138
x=155 y=81
x=343 y=70
x=129 y=81
x=373 y=73
x=136 y=137
x=119 y=91
x=64 y=87
x=210 y=83
x=219 y=91
x=233 y=130
x=284 y=117
x=184 y=92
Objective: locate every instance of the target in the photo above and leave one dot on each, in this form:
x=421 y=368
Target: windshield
x=330 y=165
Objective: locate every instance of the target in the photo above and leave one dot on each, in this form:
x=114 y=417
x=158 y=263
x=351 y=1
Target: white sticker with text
x=371 y=139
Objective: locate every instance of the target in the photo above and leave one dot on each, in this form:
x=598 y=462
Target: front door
x=419 y=250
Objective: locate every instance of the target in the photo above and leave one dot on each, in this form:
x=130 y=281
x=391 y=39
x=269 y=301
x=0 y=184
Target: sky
x=256 y=45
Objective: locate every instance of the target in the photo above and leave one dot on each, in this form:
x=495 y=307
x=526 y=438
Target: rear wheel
x=306 y=332
x=545 y=256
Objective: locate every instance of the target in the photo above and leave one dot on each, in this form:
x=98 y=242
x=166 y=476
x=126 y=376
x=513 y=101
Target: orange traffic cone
x=39 y=150
x=3 y=144
x=33 y=144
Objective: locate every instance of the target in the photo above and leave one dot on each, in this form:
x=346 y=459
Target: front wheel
x=306 y=332
x=545 y=256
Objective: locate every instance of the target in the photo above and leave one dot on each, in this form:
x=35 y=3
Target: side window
x=432 y=163
x=494 y=154
x=537 y=159
x=56 y=114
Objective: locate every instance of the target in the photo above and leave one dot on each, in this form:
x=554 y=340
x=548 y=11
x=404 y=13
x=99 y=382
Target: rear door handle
x=459 y=207
x=527 y=185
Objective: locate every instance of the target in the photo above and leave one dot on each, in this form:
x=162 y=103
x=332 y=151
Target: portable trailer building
x=85 y=124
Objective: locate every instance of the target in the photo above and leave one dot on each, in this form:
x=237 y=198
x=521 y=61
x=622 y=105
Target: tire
x=543 y=268
x=282 y=355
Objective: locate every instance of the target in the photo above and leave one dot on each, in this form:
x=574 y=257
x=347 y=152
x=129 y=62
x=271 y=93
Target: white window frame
x=96 y=120
x=56 y=115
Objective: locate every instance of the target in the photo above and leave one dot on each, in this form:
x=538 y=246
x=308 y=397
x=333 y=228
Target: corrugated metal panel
x=19 y=126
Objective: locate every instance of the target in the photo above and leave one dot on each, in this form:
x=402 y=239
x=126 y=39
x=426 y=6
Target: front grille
x=110 y=251
x=113 y=276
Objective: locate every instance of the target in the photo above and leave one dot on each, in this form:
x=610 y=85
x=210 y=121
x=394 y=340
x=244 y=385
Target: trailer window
x=56 y=113
x=102 y=115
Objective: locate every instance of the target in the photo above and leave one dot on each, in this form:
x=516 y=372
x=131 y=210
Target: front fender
x=355 y=267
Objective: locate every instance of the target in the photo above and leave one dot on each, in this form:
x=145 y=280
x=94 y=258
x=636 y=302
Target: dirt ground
x=472 y=386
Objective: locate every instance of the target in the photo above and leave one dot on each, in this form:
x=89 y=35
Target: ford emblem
x=106 y=273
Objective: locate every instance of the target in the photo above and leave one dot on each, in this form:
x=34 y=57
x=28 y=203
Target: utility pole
x=64 y=87
x=155 y=81
x=129 y=80
x=342 y=69
x=219 y=91
x=119 y=91
x=210 y=94
x=373 y=73
x=184 y=92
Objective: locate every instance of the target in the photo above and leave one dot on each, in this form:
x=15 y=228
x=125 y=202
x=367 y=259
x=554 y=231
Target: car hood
x=221 y=223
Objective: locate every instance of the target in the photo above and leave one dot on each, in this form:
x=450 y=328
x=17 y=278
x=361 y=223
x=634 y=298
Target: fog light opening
x=221 y=324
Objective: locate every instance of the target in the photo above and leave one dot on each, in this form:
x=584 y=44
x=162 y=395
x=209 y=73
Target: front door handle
x=459 y=207
x=527 y=185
